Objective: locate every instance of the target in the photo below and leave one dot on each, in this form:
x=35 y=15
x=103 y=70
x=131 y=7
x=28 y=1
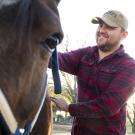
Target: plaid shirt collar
x=119 y=52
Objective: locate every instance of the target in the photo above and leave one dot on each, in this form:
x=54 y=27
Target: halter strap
x=7 y=120
x=7 y=116
x=55 y=72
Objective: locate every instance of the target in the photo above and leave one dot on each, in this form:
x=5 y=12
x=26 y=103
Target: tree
x=131 y=112
x=69 y=89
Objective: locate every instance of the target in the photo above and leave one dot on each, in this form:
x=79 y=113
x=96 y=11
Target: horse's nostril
x=59 y=36
x=52 y=41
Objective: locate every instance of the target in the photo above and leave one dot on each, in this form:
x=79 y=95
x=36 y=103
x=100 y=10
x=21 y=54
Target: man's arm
x=109 y=103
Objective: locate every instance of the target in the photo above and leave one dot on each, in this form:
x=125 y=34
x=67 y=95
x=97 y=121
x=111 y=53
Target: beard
x=108 y=45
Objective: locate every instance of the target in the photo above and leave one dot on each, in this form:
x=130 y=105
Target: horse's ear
x=7 y=2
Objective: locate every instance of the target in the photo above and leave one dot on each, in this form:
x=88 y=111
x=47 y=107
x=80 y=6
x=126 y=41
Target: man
x=105 y=77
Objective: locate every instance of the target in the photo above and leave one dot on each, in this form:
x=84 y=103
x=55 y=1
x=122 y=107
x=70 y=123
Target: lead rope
x=55 y=72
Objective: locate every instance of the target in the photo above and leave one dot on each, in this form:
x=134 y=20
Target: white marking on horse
x=7 y=2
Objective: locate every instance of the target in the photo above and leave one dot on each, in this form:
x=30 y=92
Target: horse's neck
x=8 y=115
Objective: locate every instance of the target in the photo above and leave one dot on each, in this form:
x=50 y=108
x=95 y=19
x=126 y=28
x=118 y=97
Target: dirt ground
x=61 y=129
x=64 y=130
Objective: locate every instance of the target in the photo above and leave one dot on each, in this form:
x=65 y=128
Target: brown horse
x=28 y=32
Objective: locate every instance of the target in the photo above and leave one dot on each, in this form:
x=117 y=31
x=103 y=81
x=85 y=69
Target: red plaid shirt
x=103 y=90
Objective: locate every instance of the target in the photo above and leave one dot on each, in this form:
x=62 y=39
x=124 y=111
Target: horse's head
x=29 y=30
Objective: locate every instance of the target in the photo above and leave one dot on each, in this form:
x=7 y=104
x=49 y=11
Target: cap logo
x=111 y=13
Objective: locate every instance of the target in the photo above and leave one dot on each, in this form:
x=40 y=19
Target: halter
x=8 y=122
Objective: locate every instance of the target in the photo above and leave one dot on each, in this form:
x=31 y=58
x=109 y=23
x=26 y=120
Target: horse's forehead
x=7 y=2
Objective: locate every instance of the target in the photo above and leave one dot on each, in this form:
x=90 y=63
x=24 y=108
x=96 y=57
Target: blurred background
x=79 y=32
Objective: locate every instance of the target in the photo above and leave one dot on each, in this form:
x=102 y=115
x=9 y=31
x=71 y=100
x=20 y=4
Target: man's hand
x=60 y=103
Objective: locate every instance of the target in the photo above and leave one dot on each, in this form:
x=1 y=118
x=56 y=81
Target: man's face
x=108 y=38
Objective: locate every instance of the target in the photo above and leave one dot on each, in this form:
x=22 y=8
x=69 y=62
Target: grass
x=129 y=127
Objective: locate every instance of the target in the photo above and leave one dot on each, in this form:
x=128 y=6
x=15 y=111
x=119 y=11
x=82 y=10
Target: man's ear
x=124 y=35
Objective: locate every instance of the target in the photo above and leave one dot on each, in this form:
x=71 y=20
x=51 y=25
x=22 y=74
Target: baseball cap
x=112 y=18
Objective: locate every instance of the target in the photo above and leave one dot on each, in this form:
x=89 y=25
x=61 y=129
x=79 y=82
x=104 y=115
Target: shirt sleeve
x=110 y=101
x=69 y=61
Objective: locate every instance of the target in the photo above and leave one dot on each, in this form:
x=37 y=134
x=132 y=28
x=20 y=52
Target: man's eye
x=100 y=25
x=111 y=28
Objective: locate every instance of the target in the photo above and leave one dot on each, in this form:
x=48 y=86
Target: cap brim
x=96 y=20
